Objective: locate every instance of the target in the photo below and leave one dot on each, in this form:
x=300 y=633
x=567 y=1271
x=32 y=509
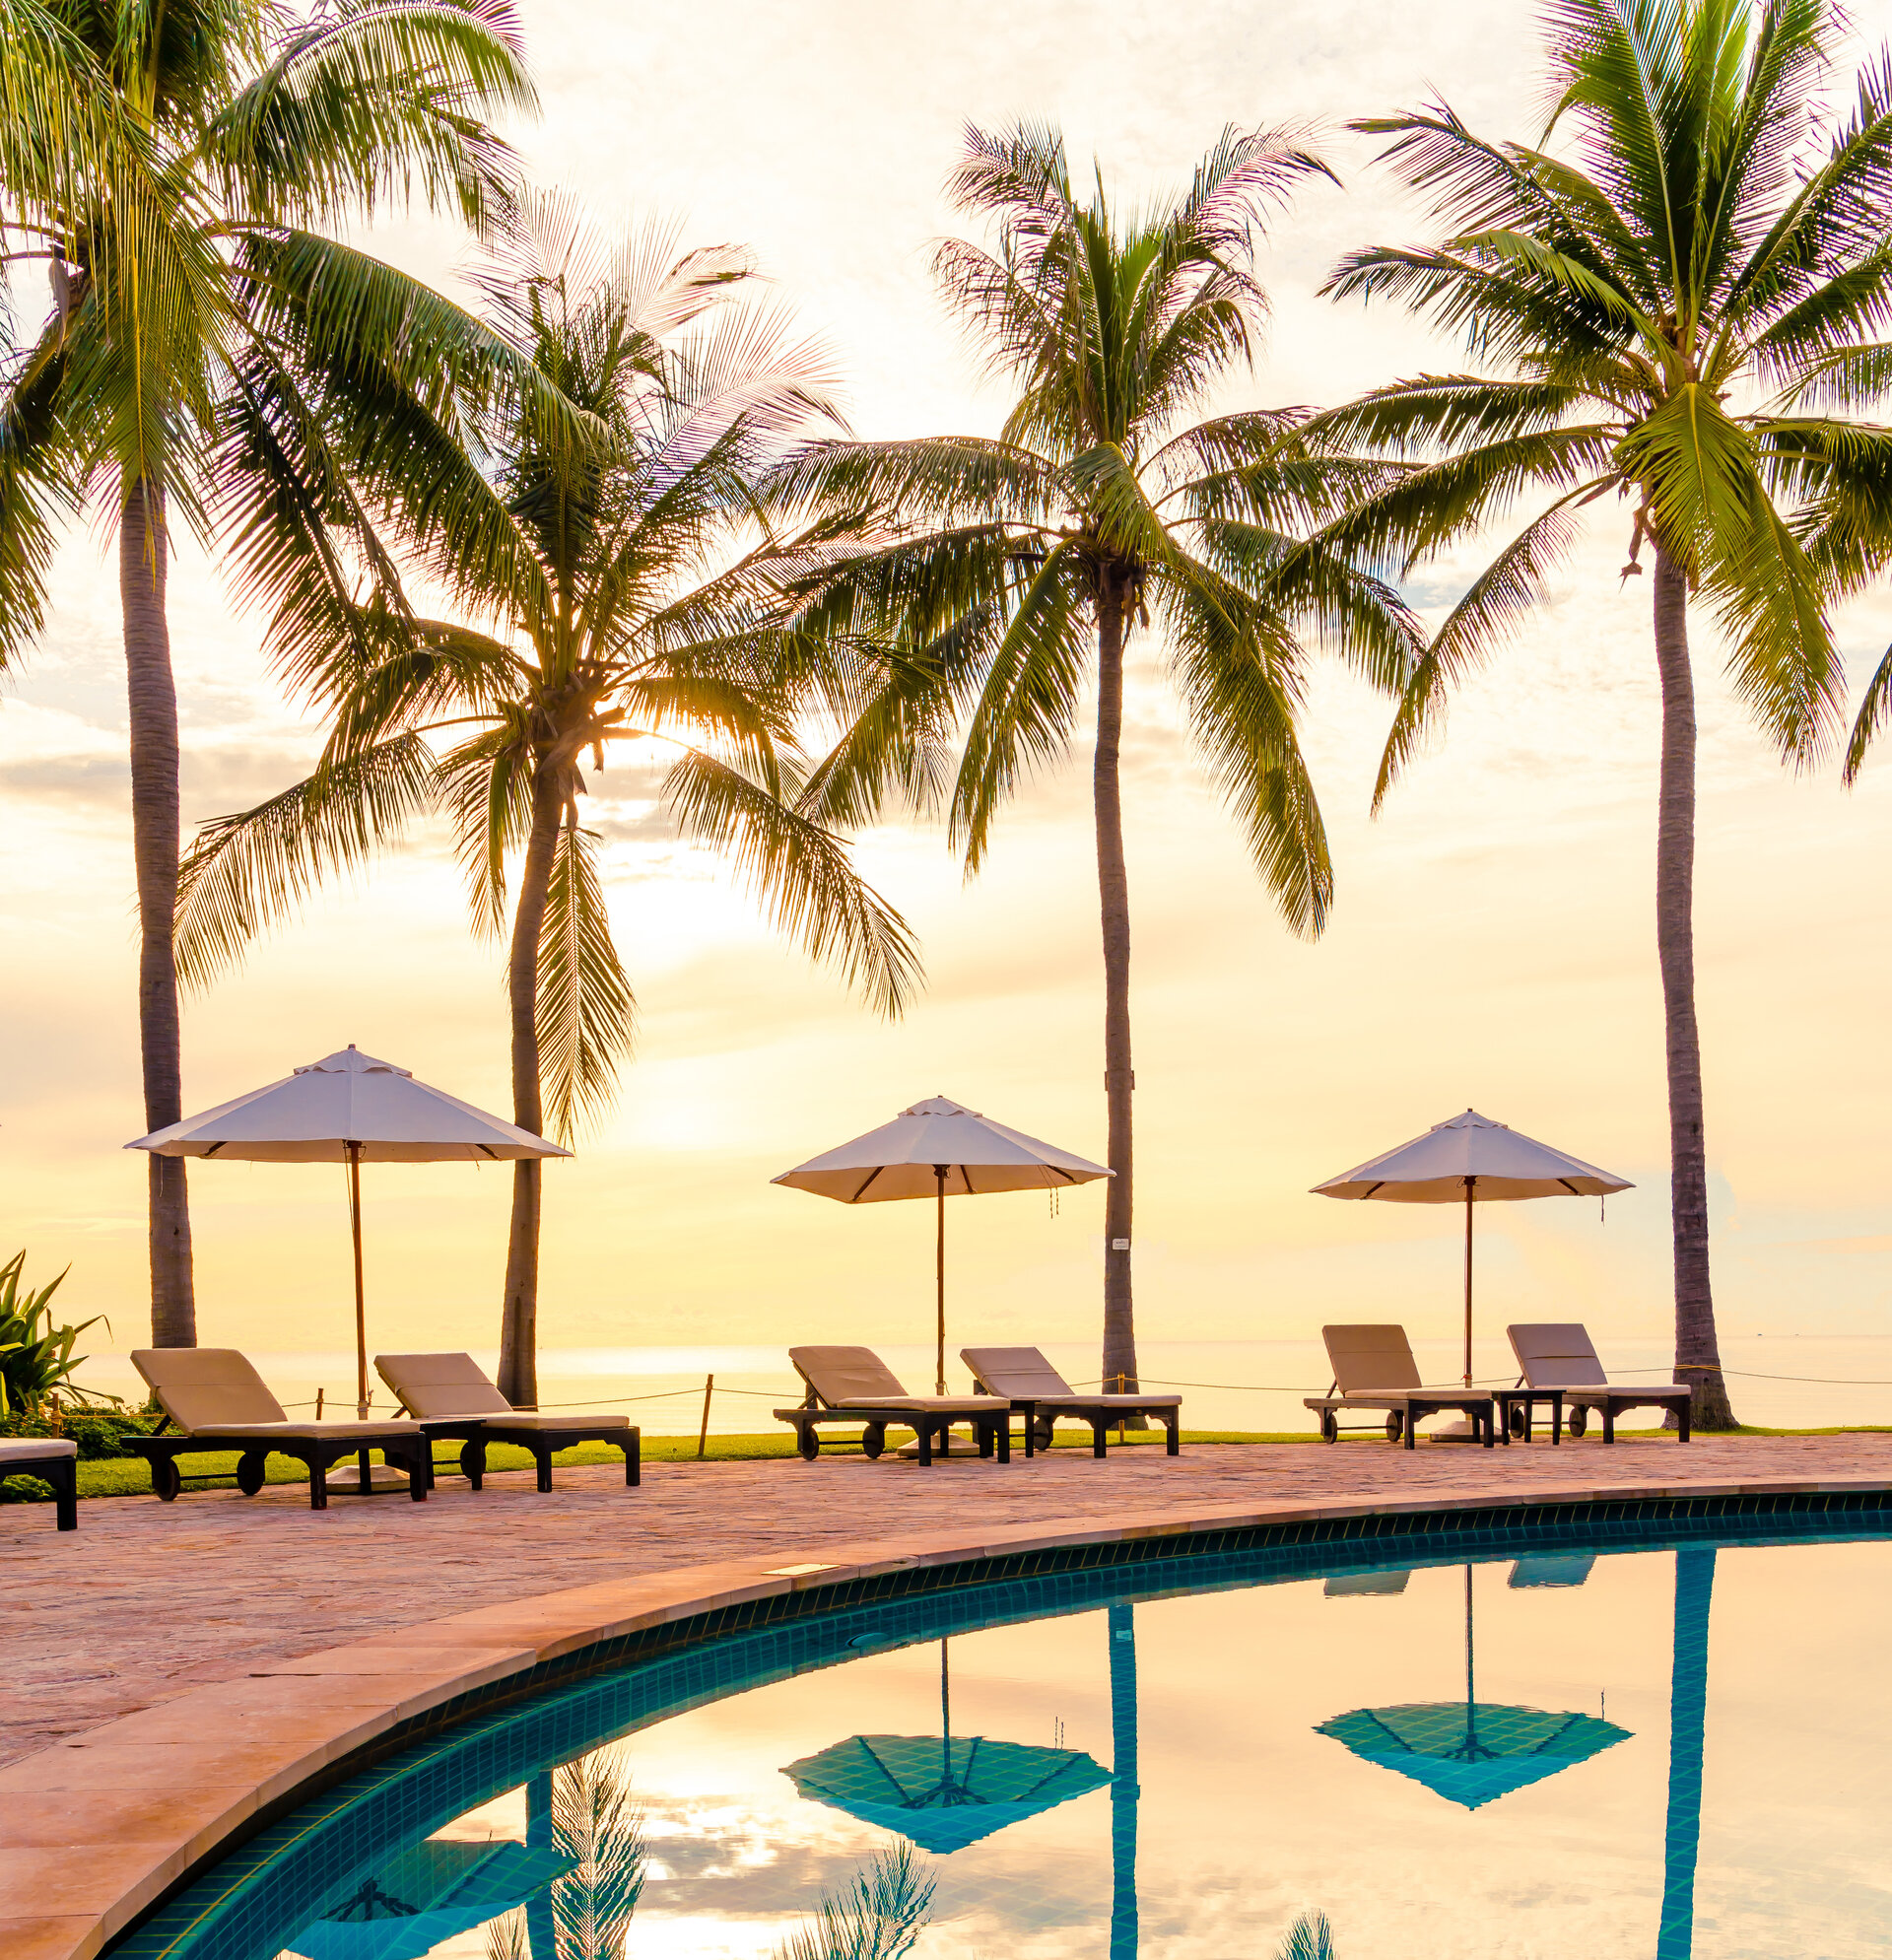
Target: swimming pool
x=1632 y=1728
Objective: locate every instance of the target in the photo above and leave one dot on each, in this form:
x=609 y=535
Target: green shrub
x=36 y=1361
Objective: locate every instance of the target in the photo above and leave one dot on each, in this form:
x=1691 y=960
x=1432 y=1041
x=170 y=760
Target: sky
x=1492 y=943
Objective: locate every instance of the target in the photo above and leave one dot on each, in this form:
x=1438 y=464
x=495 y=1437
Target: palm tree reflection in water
x=878 y=1917
x=585 y=1811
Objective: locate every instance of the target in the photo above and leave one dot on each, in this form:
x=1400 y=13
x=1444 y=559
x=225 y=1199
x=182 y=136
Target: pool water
x=1565 y=1746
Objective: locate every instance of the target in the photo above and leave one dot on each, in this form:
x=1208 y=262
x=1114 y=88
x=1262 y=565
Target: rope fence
x=710 y=1391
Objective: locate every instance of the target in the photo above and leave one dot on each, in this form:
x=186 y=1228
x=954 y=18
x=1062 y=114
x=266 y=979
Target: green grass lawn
x=130 y=1476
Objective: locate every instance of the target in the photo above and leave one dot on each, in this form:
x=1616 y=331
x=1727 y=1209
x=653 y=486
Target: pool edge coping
x=283 y=1724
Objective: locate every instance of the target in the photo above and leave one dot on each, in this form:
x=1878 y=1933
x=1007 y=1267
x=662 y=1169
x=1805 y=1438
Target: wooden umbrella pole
x=939 y=1273
x=1469 y=1181
x=360 y=1302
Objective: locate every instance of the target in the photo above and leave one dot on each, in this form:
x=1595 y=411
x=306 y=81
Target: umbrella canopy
x=1467 y=1160
x=1471 y=1752
x=939 y=1149
x=1501 y=1163
x=904 y=1159
x=427 y=1895
x=943 y=1794
x=344 y=1109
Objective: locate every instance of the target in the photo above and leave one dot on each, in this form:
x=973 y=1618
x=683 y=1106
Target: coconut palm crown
x=610 y=590
x=173 y=167
x=991 y=580
x=1678 y=304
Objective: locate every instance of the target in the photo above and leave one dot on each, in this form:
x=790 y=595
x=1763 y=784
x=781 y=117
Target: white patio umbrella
x=939 y=1149
x=349 y=1108
x=1465 y=1159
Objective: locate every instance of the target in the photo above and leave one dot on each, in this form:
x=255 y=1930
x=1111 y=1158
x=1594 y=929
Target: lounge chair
x=450 y=1396
x=53 y=1461
x=1373 y=1368
x=853 y=1384
x=216 y=1400
x=1558 y=1365
x=1038 y=1391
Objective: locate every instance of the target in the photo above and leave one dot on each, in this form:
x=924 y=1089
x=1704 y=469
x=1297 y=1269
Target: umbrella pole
x=1469 y=1181
x=1471 y=1699
x=940 y=1272
x=361 y=1303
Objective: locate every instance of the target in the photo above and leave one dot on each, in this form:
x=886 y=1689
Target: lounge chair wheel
x=1576 y=1421
x=1517 y=1420
x=808 y=1443
x=873 y=1440
x=1395 y=1425
x=1329 y=1427
x=251 y=1467
x=165 y=1478
x=1041 y=1432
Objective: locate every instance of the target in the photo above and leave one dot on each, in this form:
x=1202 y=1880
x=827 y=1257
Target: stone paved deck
x=146 y=1601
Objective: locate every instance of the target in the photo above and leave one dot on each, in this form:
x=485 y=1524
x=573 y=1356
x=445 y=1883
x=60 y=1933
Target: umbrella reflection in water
x=943 y=1792
x=1473 y=1752
x=427 y=1895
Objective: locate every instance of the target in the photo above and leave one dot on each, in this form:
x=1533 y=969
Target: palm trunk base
x=1709 y=1408
x=520 y=1317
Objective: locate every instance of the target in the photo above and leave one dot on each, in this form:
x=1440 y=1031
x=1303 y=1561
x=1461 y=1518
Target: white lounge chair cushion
x=1555 y=1354
x=1374 y=1356
x=441 y=1387
x=936 y=1404
x=325 y=1432
x=534 y=1419
x=196 y=1386
x=1021 y=1372
x=17 y=1450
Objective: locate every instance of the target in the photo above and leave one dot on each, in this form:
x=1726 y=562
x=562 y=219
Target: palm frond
x=879 y=1917
x=800 y=873
x=1237 y=672
x=247 y=873
x=597 y=1821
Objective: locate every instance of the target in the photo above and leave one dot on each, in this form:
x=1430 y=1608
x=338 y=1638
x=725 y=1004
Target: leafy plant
x=37 y=1360
x=1309 y=1937
x=878 y=1917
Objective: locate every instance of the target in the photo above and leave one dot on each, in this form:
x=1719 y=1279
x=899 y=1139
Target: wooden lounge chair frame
x=51 y=1461
x=1563 y=1351
x=1373 y=1368
x=459 y=1379
x=1039 y=1392
x=927 y=1416
x=317 y=1446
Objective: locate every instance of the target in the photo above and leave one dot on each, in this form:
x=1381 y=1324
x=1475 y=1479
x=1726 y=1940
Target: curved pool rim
x=344 y=1713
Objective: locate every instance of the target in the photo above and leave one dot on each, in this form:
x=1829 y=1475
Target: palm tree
x=879 y=1917
x=1672 y=302
x=166 y=162
x=587 y=1812
x=617 y=589
x=988 y=572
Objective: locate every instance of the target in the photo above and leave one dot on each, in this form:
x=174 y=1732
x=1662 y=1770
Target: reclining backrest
x=1557 y=1354
x=845 y=1374
x=439 y=1386
x=1021 y=1372
x=197 y=1387
x=1371 y=1356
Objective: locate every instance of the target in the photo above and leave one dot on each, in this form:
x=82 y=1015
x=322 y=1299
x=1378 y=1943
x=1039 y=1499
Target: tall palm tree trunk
x=1697 y=1358
x=155 y=821
x=519 y=1321
x=1119 y=1079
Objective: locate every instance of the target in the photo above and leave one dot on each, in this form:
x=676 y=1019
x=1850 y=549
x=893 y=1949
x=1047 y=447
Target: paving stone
x=147 y=1601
